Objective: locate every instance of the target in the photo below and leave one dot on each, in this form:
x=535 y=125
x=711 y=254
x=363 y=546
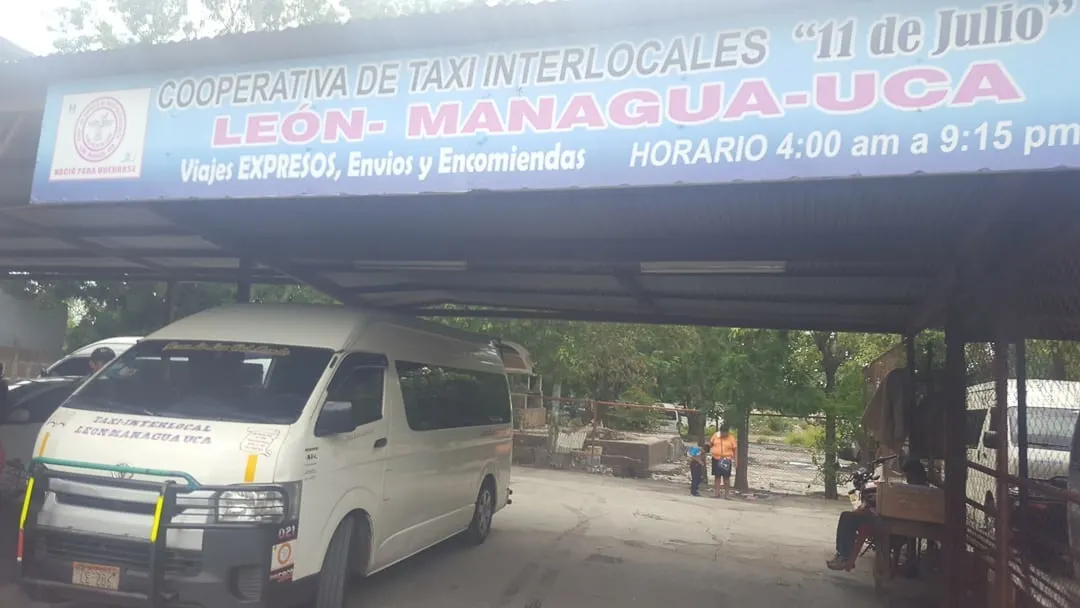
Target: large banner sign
x=960 y=88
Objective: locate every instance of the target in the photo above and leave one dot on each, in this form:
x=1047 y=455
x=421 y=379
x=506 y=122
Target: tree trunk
x=830 y=457
x=831 y=359
x=742 y=461
x=695 y=428
x=1057 y=363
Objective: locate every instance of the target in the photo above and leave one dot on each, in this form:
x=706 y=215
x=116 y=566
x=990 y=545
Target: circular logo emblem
x=123 y=474
x=284 y=554
x=100 y=129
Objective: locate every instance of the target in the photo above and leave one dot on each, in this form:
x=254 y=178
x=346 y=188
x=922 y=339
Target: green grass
x=810 y=437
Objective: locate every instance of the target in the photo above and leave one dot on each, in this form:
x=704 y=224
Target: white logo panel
x=101 y=136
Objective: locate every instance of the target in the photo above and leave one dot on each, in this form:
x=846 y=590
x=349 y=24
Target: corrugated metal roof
x=861 y=254
x=9 y=51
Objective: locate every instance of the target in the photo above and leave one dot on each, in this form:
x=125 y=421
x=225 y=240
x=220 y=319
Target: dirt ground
x=575 y=540
x=773 y=468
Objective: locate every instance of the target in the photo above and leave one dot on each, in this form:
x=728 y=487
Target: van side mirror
x=335 y=418
x=991 y=440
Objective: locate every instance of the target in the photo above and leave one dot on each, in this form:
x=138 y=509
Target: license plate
x=97 y=577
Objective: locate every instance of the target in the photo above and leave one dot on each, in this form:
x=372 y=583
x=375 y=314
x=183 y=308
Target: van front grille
x=108 y=504
x=108 y=551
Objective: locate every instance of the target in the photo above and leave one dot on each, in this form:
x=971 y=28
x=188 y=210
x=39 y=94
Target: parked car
x=30 y=403
x=673 y=420
x=77 y=363
x=1052 y=414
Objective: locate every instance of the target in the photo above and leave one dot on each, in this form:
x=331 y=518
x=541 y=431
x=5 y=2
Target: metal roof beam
x=630 y=282
x=80 y=243
x=182 y=275
x=10 y=132
x=118 y=252
x=89 y=232
x=719 y=298
x=226 y=240
x=621 y=251
x=861 y=326
x=931 y=310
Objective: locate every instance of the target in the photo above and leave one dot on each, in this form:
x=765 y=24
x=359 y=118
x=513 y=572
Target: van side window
x=75 y=366
x=445 y=398
x=359 y=380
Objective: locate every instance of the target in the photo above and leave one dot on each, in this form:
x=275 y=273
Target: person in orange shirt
x=724 y=451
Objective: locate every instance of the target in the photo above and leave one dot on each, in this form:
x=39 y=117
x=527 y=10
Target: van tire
x=483 y=512
x=334 y=575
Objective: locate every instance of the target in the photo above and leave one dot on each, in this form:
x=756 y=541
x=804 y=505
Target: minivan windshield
x=229 y=381
x=1048 y=428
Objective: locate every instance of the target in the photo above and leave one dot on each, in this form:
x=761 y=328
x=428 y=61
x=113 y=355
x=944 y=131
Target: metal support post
x=956 y=469
x=1022 y=466
x=1002 y=519
x=170 y=302
x=243 y=283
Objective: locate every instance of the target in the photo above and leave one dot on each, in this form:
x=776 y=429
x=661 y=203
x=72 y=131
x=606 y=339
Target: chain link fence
x=1023 y=508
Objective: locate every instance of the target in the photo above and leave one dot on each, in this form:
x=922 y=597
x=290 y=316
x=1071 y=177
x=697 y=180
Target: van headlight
x=242 y=506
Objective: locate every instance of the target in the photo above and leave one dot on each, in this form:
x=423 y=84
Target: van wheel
x=334 y=576
x=485 y=509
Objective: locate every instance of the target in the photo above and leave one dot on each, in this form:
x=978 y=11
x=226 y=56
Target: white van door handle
x=381 y=442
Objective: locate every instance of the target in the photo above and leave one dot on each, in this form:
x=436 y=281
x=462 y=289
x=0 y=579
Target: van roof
x=312 y=325
x=1063 y=394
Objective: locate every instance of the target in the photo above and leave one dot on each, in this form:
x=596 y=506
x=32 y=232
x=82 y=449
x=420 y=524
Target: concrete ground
x=575 y=540
x=772 y=468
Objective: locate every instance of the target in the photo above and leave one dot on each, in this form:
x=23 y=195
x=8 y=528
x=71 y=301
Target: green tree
x=88 y=25
x=369 y=9
x=758 y=370
x=839 y=358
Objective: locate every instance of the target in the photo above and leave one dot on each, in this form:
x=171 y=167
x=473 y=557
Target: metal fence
x=1019 y=435
x=579 y=411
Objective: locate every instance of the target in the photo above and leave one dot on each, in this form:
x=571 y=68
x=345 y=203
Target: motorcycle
x=863 y=495
x=864 y=481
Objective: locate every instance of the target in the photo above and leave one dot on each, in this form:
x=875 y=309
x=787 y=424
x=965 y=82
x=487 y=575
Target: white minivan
x=258 y=455
x=1052 y=410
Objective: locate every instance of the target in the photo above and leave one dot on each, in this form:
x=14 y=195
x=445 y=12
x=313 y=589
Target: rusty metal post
x=909 y=351
x=1002 y=519
x=1022 y=465
x=956 y=470
x=170 y=302
x=912 y=401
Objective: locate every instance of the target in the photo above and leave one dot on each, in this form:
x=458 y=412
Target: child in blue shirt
x=697 y=468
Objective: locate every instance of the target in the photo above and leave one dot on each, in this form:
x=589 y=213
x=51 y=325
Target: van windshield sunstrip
x=228 y=381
